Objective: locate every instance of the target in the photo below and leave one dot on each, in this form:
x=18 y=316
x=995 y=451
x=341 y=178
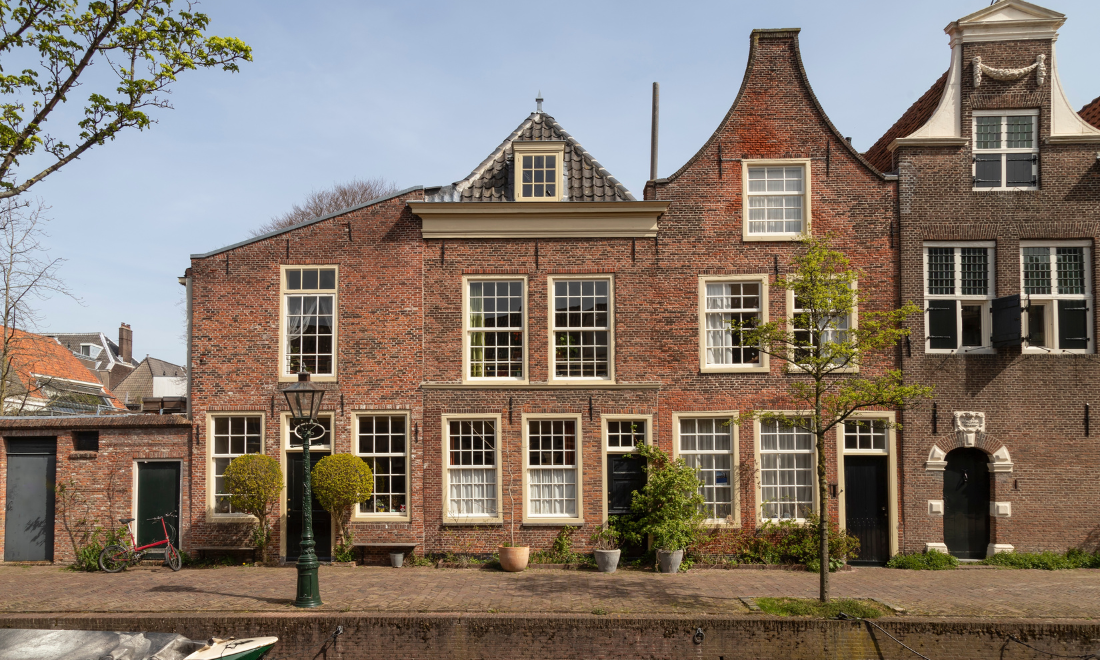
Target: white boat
x=23 y=644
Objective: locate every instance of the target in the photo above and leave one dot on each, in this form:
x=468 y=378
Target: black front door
x=866 y=507
x=322 y=521
x=29 y=513
x=966 y=503
x=625 y=474
x=158 y=493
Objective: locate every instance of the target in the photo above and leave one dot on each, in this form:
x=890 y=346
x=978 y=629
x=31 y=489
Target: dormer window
x=1006 y=150
x=538 y=171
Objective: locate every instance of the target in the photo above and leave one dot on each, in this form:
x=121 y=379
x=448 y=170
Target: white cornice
x=928 y=142
x=538 y=219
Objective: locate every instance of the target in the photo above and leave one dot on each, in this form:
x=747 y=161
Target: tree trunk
x=823 y=515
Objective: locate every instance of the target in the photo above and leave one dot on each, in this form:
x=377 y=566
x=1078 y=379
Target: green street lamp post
x=304 y=401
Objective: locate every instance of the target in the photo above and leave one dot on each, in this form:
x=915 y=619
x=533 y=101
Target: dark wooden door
x=625 y=474
x=158 y=493
x=322 y=521
x=966 y=503
x=29 y=510
x=867 y=507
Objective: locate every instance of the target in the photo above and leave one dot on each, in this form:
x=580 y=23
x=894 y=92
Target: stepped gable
x=916 y=116
x=586 y=179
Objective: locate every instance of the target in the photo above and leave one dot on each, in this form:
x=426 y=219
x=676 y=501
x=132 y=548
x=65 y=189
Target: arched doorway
x=966 y=503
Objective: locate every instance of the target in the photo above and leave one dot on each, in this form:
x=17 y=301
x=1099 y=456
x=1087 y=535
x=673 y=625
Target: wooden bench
x=201 y=549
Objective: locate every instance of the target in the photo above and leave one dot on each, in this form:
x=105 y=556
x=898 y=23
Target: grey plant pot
x=669 y=562
x=397 y=558
x=607 y=560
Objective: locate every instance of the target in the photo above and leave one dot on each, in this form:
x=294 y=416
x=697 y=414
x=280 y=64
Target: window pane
x=581 y=305
x=293 y=278
x=1037 y=325
x=987 y=133
x=941 y=271
x=1072 y=324
x=309 y=336
x=975 y=271
x=497 y=305
x=1019 y=132
x=785 y=468
x=1071 y=270
x=971 y=325
x=1036 y=270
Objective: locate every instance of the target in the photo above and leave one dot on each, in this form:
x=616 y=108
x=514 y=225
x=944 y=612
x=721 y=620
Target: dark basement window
x=86 y=440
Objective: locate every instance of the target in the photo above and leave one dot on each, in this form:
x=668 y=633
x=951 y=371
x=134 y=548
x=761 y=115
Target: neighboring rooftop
x=46 y=370
x=492 y=180
x=1091 y=112
x=879 y=154
x=143 y=381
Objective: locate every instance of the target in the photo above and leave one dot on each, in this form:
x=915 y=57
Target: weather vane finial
x=538 y=102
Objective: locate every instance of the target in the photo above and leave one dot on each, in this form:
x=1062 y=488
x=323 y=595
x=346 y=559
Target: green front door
x=158 y=493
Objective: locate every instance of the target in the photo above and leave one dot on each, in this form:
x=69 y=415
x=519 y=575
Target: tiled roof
x=139 y=383
x=73 y=340
x=1091 y=112
x=879 y=154
x=35 y=356
x=491 y=181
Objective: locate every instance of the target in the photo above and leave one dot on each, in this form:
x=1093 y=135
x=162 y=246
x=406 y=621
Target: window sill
x=491 y=382
x=580 y=381
x=721 y=523
x=470 y=522
x=960 y=351
x=773 y=237
x=313 y=378
x=230 y=518
x=1058 y=352
x=735 y=369
x=552 y=522
x=381 y=519
x=1013 y=189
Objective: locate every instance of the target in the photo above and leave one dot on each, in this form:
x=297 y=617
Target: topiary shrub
x=341 y=481
x=254 y=482
x=669 y=507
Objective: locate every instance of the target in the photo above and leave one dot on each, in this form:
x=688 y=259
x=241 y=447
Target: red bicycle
x=114 y=558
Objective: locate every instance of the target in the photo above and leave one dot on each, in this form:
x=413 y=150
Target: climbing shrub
x=341 y=481
x=254 y=482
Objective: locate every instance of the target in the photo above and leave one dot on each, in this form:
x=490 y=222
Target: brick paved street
x=961 y=593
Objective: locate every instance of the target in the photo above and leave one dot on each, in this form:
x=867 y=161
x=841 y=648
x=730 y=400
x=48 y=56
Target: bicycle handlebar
x=167 y=515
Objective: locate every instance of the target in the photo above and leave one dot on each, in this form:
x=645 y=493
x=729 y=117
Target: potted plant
x=668 y=509
x=605 y=542
x=254 y=482
x=341 y=481
x=513 y=558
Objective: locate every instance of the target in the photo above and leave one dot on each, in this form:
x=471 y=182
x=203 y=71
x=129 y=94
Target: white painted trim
x=445 y=467
x=466 y=379
x=285 y=377
x=807 y=194
x=605 y=450
x=529 y=519
x=998 y=548
x=538 y=148
x=1000 y=509
x=764 y=366
x=208 y=438
x=935 y=508
x=550 y=319
x=539 y=219
x=735 y=462
x=1066 y=126
x=356 y=515
x=758 y=507
x=940 y=547
x=891 y=454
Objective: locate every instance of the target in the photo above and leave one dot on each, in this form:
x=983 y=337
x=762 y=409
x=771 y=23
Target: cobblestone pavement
x=961 y=593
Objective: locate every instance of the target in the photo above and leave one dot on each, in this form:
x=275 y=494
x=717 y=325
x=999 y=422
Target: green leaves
x=340 y=481
x=146 y=44
x=254 y=482
x=669 y=507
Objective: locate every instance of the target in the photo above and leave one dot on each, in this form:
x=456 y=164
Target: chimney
x=126 y=342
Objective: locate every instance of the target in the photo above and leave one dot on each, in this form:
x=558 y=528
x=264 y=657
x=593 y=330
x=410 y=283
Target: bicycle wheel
x=172 y=557
x=114 y=558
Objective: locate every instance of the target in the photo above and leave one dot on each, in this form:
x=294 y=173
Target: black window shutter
x=943 y=331
x=1007 y=330
x=987 y=171
x=1020 y=169
x=1073 y=324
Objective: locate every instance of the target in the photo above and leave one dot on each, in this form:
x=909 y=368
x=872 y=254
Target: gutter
x=186 y=282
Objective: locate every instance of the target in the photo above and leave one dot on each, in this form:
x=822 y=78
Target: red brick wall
x=103 y=481
x=1034 y=404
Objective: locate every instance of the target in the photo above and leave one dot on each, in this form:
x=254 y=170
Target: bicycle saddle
x=125 y=520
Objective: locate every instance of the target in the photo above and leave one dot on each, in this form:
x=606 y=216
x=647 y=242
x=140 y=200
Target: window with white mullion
x=865 y=435
x=471 y=468
x=706 y=444
x=958 y=291
x=309 y=296
x=382 y=444
x=1058 y=292
x=625 y=434
x=232 y=436
x=729 y=304
x=582 y=328
x=786 y=470
x=1006 y=149
x=808 y=335
x=776 y=199
x=552 y=468
x=495 y=328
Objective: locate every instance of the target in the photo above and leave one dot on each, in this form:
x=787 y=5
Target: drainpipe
x=186 y=282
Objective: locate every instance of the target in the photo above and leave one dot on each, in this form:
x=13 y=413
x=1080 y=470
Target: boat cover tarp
x=18 y=644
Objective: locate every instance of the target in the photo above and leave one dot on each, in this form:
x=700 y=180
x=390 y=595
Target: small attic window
x=90 y=350
x=538 y=171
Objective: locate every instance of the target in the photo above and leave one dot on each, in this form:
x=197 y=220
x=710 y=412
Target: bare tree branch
x=330 y=200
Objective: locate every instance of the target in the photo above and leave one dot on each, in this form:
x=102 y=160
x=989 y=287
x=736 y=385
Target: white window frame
x=448 y=517
x=357 y=416
x=606 y=449
x=890 y=418
x=530 y=519
x=1034 y=149
x=467 y=330
x=538 y=148
x=285 y=431
x=552 y=337
x=983 y=300
x=807 y=191
x=1049 y=300
x=211 y=494
x=853 y=323
x=757 y=442
x=706 y=367
x=91 y=347
x=735 y=457
x=284 y=293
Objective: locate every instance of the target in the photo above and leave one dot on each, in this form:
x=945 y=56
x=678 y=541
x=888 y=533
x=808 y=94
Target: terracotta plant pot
x=607 y=560
x=669 y=561
x=514 y=559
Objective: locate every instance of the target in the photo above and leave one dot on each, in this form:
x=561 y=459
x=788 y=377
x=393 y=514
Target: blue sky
x=421 y=92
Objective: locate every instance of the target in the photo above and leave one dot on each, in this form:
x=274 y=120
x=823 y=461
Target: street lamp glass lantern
x=303 y=398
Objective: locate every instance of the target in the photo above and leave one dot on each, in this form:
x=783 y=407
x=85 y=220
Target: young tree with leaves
x=832 y=364
x=46 y=50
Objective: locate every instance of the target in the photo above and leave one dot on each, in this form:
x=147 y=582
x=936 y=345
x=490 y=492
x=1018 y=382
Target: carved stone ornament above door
x=969 y=427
